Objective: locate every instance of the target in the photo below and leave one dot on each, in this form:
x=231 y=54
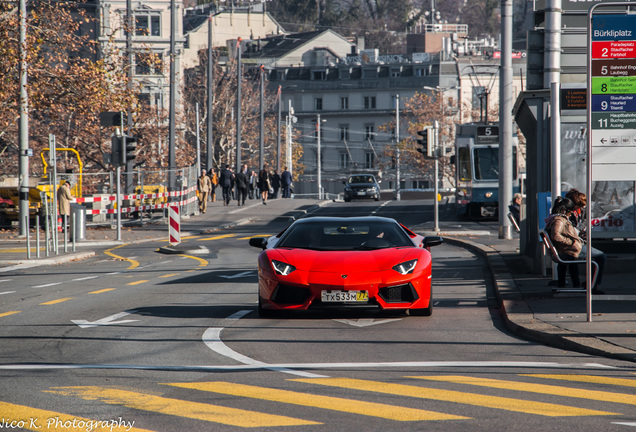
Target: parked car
x=328 y=262
x=361 y=186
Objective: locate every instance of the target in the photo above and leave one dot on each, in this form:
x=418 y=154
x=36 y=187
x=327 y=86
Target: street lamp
x=319 y=168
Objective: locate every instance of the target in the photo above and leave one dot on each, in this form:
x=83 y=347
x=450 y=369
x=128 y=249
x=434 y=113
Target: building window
x=369 y=133
x=344 y=103
x=318 y=104
x=369 y=102
x=369 y=160
x=344 y=132
x=148 y=63
x=147 y=24
x=343 y=161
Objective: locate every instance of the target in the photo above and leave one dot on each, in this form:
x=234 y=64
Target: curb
x=519 y=317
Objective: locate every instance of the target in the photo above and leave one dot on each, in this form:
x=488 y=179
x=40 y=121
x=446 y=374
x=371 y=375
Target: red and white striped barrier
x=112 y=198
x=174 y=225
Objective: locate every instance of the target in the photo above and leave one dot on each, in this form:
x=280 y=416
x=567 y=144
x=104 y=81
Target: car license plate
x=361 y=193
x=344 y=296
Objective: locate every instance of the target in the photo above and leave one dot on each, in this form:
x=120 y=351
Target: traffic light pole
x=118 y=201
x=435 y=145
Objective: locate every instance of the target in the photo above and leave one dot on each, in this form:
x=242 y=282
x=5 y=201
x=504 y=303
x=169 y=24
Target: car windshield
x=361 y=179
x=345 y=236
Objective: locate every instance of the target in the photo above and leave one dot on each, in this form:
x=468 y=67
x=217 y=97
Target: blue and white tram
x=477 y=170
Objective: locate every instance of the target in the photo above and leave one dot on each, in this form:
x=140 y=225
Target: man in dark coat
x=241 y=185
x=275 y=184
x=227 y=183
x=285 y=181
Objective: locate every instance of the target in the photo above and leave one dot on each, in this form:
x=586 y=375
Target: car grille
x=288 y=294
x=398 y=294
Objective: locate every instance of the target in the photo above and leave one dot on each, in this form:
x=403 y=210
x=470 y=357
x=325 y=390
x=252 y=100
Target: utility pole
x=318 y=165
x=436 y=151
x=397 y=147
x=173 y=96
x=238 y=106
x=210 y=100
x=24 y=127
x=505 y=121
x=261 y=134
x=278 y=132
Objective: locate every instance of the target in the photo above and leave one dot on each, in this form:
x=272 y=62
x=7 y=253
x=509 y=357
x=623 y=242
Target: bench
x=545 y=238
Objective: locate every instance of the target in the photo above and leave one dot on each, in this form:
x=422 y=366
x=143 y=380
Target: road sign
x=612 y=107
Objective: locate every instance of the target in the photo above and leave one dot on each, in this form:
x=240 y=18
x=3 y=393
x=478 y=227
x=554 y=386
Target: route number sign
x=612 y=109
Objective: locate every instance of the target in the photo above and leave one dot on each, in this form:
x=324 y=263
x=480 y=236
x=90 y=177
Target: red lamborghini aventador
x=345 y=262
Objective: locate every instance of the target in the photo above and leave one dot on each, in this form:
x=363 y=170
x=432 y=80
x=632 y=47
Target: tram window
x=463 y=164
x=486 y=163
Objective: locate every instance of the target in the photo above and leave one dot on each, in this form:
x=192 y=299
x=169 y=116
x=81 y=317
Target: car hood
x=351 y=261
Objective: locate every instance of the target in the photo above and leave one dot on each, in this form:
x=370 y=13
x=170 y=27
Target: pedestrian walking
x=227 y=183
x=64 y=198
x=241 y=185
x=275 y=184
x=204 y=185
x=285 y=181
x=214 y=180
x=264 y=184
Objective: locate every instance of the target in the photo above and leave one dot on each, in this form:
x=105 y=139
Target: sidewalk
x=533 y=311
x=529 y=307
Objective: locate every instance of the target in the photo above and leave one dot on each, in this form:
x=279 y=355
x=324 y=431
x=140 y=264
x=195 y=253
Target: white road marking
x=85 y=278
x=212 y=339
x=5 y=280
x=367 y=322
x=632 y=424
x=109 y=320
x=238 y=275
x=48 y=285
x=7 y=292
x=277 y=366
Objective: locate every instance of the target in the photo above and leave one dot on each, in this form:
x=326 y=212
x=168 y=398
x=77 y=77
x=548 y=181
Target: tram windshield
x=486 y=163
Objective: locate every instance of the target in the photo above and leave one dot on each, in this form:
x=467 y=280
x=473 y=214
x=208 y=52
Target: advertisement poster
x=612 y=201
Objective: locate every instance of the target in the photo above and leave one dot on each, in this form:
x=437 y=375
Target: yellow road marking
x=385 y=411
x=52 y=302
x=133 y=263
x=37 y=420
x=169 y=275
x=218 y=237
x=21 y=250
x=508 y=404
x=255 y=236
x=588 y=379
x=539 y=388
x=202 y=262
x=101 y=291
x=137 y=282
x=4 y=314
x=181 y=408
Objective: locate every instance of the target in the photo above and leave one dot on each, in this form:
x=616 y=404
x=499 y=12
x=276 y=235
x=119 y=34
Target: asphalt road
x=149 y=341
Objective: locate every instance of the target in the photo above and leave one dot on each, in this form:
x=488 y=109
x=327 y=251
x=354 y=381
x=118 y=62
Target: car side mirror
x=432 y=241
x=259 y=242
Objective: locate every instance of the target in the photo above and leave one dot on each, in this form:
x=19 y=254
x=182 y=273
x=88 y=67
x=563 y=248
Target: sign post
x=611 y=105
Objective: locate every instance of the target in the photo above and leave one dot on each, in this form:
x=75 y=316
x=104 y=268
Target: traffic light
x=115 y=150
x=426 y=141
x=128 y=148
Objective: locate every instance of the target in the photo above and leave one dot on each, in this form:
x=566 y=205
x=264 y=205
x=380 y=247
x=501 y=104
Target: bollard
x=37 y=236
x=28 y=238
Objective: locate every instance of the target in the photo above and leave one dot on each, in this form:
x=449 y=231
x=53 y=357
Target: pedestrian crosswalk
x=411 y=398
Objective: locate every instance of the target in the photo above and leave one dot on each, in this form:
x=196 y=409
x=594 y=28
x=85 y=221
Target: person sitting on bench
x=569 y=245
